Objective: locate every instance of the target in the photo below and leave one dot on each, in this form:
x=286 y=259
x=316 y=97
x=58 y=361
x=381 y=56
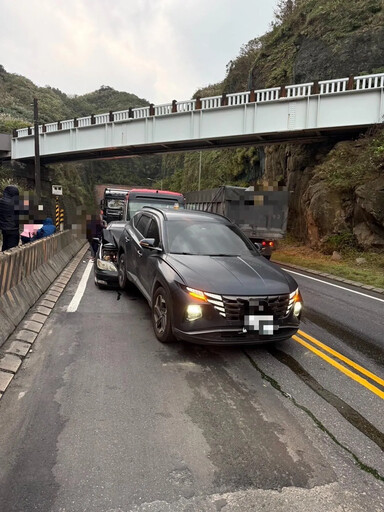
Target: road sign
x=57 y=190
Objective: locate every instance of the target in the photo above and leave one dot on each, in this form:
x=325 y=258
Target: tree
x=283 y=10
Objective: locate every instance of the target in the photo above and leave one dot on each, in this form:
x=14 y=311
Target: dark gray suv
x=205 y=281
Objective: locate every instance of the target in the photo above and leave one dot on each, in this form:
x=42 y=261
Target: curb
x=331 y=276
x=17 y=347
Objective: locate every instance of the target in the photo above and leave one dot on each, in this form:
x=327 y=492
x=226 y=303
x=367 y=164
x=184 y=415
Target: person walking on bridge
x=9 y=217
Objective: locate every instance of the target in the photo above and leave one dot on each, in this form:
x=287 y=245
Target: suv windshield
x=207 y=238
x=135 y=205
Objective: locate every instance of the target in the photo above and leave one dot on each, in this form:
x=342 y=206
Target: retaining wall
x=27 y=271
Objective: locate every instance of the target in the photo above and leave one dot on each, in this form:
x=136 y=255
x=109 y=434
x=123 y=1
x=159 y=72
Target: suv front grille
x=277 y=305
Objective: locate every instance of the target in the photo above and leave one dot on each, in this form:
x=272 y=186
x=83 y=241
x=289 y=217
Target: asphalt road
x=102 y=417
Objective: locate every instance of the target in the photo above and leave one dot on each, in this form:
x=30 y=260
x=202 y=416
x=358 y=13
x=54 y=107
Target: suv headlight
x=297 y=308
x=105 y=265
x=194 y=312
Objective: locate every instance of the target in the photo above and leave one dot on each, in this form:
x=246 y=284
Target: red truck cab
x=136 y=198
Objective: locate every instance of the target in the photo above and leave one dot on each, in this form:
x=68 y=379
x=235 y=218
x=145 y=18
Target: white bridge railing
x=288 y=92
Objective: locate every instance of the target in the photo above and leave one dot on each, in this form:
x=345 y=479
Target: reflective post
x=57 y=213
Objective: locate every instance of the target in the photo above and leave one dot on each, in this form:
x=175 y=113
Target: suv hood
x=232 y=275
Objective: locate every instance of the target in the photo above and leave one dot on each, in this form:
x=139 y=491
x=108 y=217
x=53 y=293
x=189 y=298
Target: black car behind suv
x=205 y=281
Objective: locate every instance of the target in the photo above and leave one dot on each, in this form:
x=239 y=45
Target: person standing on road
x=9 y=217
x=94 y=230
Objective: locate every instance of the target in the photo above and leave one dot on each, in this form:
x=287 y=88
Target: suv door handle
x=139 y=253
x=127 y=239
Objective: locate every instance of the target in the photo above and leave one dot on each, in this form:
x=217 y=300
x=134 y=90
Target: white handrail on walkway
x=101 y=118
x=121 y=115
x=140 y=113
x=211 y=102
x=186 y=106
x=299 y=90
x=238 y=98
x=271 y=94
x=67 y=124
x=84 y=121
x=332 y=86
x=162 y=110
x=369 y=81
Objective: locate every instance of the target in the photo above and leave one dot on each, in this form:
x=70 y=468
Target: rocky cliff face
x=318 y=210
x=359 y=53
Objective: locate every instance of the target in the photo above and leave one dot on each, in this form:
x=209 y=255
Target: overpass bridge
x=300 y=112
x=5 y=146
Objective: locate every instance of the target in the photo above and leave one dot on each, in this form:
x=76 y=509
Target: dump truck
x=261 y=212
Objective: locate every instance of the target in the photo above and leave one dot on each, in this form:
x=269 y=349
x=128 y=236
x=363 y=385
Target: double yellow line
x=316 y=343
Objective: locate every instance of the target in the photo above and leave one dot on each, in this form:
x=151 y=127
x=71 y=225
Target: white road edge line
x=74 y=304
x=335 y=285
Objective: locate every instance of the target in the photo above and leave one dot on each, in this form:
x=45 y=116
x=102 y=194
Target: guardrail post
x=111 y=116
x=29 y=130
x=198 y=103
x=93 y=120
x=14 y=133
x=174 y=106
x=43 y=128
x=283 y=91
x=130 y=112
x=75 y=122
x=59 y=125
x=315 y=87
x=252 y=96
x=151 y=109
x=224 y=100
x=350 y=83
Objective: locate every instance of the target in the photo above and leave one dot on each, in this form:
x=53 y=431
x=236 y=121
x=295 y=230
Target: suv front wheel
x=162 y=316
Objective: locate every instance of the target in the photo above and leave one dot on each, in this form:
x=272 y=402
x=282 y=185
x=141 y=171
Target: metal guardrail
x=324 y=87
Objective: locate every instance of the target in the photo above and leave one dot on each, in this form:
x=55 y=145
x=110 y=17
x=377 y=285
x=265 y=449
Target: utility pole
x=37 y=150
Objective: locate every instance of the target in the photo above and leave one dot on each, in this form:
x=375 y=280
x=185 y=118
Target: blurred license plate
x=262 y=323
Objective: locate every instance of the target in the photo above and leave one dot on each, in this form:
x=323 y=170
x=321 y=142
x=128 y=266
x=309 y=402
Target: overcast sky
x=157 y=49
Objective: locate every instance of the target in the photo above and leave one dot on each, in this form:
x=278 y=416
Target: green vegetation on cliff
x=352 y=163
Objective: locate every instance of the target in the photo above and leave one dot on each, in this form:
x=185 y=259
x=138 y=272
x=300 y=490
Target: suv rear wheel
x=162 y=316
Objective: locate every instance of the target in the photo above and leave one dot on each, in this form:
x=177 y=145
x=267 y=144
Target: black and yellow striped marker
x=57 y=213
x=322 y=350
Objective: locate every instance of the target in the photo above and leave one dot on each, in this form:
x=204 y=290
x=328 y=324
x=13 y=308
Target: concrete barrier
x=27 y=271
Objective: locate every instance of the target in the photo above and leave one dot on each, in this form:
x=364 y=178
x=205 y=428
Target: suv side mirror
x=149 y=243
x=258 y=246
